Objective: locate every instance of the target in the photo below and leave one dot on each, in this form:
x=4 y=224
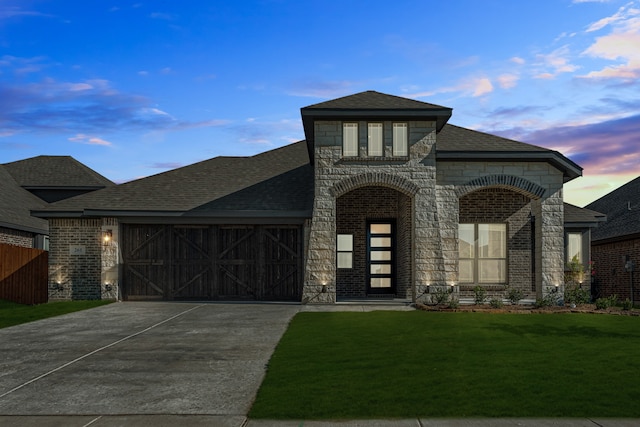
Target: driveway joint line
x=92 y=421
x=96 y=351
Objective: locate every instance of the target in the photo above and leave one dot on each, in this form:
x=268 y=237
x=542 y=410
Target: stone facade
x=530 y=192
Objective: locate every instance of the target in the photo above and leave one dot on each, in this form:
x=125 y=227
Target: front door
x=381 y=257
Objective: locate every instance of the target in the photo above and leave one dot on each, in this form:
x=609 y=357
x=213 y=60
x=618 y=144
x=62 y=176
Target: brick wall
x=498 y=205
x=353 y=210
x=611 y=277
x=75 y=259
x=16 y=237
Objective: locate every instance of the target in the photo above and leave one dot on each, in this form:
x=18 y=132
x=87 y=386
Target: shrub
x=626 y=304
x=441 y=295
x=496 y=302
x=577 y=295
x=454 y=303
x=514 y=295
x=604 y=303
x=480 y=295
x=549 y=300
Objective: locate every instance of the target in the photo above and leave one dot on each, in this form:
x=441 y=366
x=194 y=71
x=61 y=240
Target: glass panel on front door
x=381 y=257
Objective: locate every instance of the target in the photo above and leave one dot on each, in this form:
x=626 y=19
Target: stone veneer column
x=417 y=174
x=549 y=213
x=110 y=261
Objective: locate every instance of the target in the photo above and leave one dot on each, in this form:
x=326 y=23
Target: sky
x=135 y=88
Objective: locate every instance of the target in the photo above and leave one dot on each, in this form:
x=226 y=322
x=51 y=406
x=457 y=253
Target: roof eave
x=569 y=169
x=26 y=228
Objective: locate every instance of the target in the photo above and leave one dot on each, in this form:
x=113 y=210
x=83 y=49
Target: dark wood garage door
x=212 y=262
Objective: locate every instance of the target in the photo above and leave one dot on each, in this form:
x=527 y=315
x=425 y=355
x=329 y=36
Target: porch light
x=555 y=290
x=324 y=287
x=106 y=236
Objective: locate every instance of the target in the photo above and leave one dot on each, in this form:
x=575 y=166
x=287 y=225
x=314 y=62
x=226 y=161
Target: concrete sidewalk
x=240 y=421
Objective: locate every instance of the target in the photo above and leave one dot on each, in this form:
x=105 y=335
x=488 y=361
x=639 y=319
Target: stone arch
x=375 y=179
x=514 y=183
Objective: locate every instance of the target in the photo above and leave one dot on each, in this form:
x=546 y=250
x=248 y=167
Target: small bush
x=577 y=295
x=454 y=303
x=514 y=295
x=480 y=295
x=604 y=303
x=496 y=303
x=441 y=295
x=549 y=300
x=627 y=305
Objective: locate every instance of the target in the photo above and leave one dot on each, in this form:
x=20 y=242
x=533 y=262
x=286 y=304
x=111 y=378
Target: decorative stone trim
x=515 y=183
x=374 y=178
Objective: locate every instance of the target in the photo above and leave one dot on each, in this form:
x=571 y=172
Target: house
x=33 y=183
x=615 y=245
x=383 y=199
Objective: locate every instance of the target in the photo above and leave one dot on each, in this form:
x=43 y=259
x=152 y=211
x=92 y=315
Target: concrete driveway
x=139 y=358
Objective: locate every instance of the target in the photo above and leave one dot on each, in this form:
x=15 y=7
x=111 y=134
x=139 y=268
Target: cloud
x=90 y=140
x=621 y=44
x=163 y=16
x=322 y=88
x=85 y=107
x=7 y=12
x=607 y=147
x=473 y=87
x=558 y=62
x=507 y=81
x=167 y=165
x=517 y=60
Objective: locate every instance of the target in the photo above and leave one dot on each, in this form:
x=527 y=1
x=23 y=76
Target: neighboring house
x=384 y=199
x=32 y=184
x=615 y=245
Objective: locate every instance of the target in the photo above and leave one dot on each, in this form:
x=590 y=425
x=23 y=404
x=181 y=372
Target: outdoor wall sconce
x=428 y=289
x=324 y=287
x=58 y=287
x=453 y=285
x=106 y=236
x=555 y=289
x=107 y=287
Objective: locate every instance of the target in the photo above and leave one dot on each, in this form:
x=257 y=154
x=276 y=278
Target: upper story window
x=375 y=145
x=349 y=139
x=378 y=143
x=400 y=146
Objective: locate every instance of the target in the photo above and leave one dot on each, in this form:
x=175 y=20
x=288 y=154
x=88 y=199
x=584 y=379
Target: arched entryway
x=373 y=228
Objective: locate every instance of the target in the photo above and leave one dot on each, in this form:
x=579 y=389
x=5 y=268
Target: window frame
x=380 y=142
x=343 y=250
x=347 y=151
x=397 y=149
x=476 y=258
x=568 y=245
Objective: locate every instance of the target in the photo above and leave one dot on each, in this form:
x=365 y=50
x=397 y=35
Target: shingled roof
x=55 y=171
x=460 y=144
x=372 y=100
x=575 y=216
x=622 y=207
x=275 y=183
x=15 y=206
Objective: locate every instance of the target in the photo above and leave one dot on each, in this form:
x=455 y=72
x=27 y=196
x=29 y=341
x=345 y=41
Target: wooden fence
x=23 y=274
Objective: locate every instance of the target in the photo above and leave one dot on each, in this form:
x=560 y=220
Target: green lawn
x=427 y=364
x=14 y=314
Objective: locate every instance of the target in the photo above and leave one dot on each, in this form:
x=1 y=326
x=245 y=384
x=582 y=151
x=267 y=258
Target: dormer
x=372 y=125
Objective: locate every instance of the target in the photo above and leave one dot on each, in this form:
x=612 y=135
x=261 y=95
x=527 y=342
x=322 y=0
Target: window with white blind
x=574 y=247
x=374 y=134
x=400 y=146
x=482 y=253
x=349 y=139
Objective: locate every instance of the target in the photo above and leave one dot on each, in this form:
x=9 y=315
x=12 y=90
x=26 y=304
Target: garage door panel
x=212 y=262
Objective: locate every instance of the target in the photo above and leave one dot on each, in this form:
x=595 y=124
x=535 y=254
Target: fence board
x=23 y=274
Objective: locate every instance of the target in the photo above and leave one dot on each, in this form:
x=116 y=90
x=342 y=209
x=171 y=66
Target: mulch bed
x=529 y=309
